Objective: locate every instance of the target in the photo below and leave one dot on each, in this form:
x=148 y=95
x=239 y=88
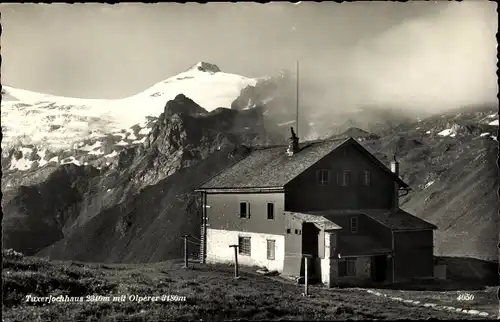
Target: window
x=354 y=225
x=323 y=176
x=347 y=267
x=244 y=209
x=365 y=179
x=346 y=178
x=288 y=231
x=270 y=210
x=296 y=231
x=244 y=246
x=271 y=249
x=351 y=267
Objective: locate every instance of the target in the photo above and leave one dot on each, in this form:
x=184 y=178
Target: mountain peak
x=205 y=67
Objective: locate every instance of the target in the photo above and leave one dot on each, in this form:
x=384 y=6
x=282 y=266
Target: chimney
x=293 y=145
x=395 y=166
x=395 y=170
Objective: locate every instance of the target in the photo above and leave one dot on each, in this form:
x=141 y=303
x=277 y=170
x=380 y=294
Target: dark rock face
x=183 y=105
x=276 y=96
x=207 y=67
x=35 y=215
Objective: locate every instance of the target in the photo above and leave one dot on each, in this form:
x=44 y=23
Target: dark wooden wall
x=413 y=254
x=305 y=194
x=366 y=227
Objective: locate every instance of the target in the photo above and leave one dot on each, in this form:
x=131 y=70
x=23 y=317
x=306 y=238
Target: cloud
x=438 y=61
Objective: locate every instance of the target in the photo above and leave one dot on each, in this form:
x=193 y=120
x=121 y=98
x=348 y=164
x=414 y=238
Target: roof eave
x=396 y=230
x=332 y=229
x=240 y=189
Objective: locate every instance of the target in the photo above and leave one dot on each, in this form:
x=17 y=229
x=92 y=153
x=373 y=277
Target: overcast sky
x=432 y=54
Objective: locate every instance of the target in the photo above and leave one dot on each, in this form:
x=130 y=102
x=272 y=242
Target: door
x=379 y=268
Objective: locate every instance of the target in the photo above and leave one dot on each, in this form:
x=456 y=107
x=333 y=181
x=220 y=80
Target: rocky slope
x=450 y=161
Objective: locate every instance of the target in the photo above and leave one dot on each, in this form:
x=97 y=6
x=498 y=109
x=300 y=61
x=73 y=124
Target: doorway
x=379 y=268
x=310 y=235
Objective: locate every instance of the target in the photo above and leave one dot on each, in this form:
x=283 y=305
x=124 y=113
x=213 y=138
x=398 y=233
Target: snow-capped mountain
x=36 y=126
x=42 y=118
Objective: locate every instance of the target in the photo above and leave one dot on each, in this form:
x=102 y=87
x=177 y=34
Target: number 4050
x=465 y=297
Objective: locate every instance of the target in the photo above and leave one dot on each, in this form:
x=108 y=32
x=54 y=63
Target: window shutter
x=271 y=249
x=244 y=245
x=270 y=210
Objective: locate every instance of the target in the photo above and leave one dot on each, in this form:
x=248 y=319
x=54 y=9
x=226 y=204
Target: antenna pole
x=297 y=100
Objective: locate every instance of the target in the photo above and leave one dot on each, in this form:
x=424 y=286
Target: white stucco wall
x=325 y=271
x=218 y=250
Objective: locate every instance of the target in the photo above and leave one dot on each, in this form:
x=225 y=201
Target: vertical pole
x=305 y=276
x=185 y=251
x=236 y=272
x=297 y=98
x=205 y=219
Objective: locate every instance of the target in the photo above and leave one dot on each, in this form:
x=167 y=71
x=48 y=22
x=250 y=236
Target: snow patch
x=495 y=122
x=446 y=132
x=96 y=144
x=54 y=159
x=22 y=164
x=111 y=155
x=484 y=134
x=41 y=153
x=122 y=143
x=139 y=141
x=96 y=152
x=145 y=131
x=71 y=160
x=131 y=137
x=428 y=184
